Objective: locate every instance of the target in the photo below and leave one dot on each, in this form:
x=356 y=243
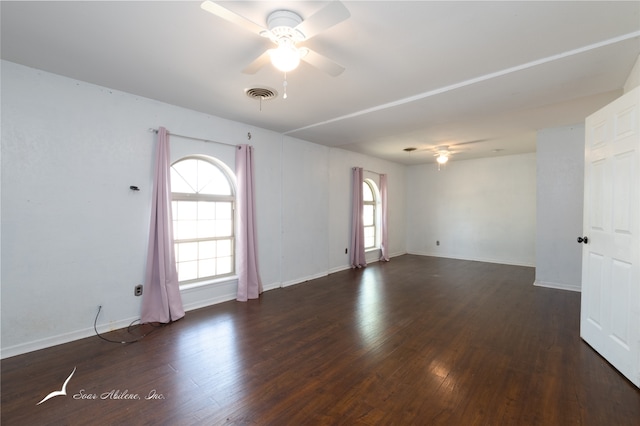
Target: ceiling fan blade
x=330 y=15
x=258 y=63
x=469 y=142
x=322 y=63
x=232 y=17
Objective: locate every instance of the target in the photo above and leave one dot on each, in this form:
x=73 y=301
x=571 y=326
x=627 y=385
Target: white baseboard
x=272 y=286
x=473 y=259
x=208 y=302
x=558 y=286
x=221 y=298
x=302 y=280
x=345 y=267
x=339 y=268
x=60 y=339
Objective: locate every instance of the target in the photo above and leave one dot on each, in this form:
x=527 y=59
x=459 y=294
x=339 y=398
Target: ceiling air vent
x=261 y=93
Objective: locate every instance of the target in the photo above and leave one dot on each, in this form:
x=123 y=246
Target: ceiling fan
x=286 y=29
x=443 y=152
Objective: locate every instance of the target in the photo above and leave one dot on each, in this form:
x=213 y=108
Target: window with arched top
x=203 y=202
x=370 y=214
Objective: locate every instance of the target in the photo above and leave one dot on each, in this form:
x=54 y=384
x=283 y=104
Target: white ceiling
x=418 y=74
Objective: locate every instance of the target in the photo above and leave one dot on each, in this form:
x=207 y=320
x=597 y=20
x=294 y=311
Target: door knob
x=583 y=240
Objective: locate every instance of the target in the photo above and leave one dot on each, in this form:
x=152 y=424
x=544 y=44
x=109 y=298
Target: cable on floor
x=129 y=329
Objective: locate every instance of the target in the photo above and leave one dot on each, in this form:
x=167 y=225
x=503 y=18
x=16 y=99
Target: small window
x=203 y=202
x=370 y=214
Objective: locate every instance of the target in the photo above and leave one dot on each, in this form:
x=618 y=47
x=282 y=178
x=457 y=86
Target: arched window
x=370 y=214
x=203 y=199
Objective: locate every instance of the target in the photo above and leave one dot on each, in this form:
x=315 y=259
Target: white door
x=610 y=310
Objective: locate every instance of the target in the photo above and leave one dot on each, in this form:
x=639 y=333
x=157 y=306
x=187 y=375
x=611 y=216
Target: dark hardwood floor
x=416 y=341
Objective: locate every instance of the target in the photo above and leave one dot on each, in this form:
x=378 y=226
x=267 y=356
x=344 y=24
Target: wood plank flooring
x=415 y=341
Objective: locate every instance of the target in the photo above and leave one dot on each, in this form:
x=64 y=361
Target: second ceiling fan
x=286 y=29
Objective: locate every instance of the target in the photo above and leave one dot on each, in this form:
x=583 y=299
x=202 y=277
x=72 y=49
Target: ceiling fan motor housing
x=282 y=23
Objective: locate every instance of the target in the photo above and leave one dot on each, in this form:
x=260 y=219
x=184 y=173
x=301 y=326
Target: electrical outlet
x=345 y=251
x=438 y=242
x=137 y=290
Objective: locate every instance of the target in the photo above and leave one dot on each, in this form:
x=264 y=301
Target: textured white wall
x=305 y=218
x=478 y=209
x=340 y=204
x=74 y=236
x=317 y=208
x=633 y=80
x=560 y=188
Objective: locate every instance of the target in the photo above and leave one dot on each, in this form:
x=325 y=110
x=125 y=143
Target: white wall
x=560 y=188
x=633 y=80
x=305 y=219
x=482 y=209
x=74 y=236
x=340 y=204
x=316 y=222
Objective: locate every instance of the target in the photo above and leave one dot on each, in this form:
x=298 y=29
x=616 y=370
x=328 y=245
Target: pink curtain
x=249 y=284
x=161 y=301
x=384 y=244
x=357 y=257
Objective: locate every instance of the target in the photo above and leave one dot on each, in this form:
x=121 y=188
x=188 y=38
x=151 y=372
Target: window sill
x=209 y=283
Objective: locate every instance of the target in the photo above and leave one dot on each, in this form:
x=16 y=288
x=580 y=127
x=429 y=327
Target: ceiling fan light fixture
x=286 y=56
x=442 y=158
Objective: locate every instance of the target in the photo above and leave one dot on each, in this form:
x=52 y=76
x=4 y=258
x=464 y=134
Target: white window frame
x=376 y=214
x=194 y=197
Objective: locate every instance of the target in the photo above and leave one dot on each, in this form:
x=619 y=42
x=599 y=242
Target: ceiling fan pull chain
x=284 y=96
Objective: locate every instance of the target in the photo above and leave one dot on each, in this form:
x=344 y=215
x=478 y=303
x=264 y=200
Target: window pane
x=223 y=228
x=178 y=184
x=187 y=252
x=367 y=194
x=193 y=176
x=206 y=172
x=224 y=248
x=176 y=230
x=187 y=270
x=207 y=249
x=186 y=210
x=224 y=265
x=213 y=181
x=368 y=217
x=206 y=268
x=369 y=237
x=184 y=176
x=223 y=210
x=206 y=228
x=206 y=210
x=369 y=231
x=186 y=230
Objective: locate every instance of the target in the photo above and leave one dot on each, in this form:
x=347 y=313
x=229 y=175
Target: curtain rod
x=370 y=171
x=192 y=138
